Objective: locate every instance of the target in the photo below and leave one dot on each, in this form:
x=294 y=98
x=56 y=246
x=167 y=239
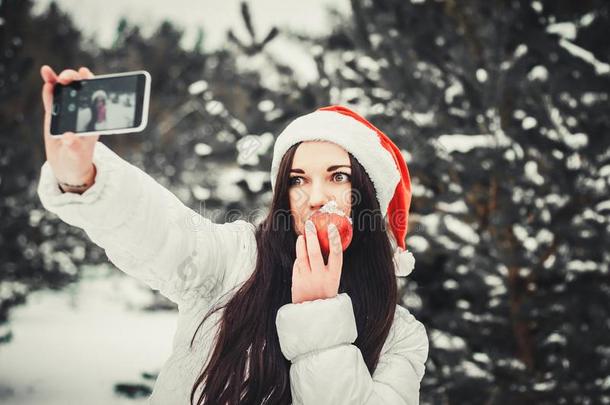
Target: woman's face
x=320 y=172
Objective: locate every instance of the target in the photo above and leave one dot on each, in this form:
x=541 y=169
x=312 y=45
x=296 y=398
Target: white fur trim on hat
x=404 y=261
x=356 y=138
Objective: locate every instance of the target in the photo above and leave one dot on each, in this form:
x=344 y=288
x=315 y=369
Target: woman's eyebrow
x=330 y=168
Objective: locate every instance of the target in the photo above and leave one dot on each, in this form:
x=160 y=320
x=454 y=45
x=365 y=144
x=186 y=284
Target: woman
x=98 y=111
x=262 y=317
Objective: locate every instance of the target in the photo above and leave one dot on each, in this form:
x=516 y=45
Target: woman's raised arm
x=145 y=230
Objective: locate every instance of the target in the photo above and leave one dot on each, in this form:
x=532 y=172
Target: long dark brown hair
x=247 y=365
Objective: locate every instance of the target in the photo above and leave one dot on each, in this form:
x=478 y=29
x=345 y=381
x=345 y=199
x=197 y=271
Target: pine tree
x=35 y=251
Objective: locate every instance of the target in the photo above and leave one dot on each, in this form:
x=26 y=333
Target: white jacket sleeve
x=148 y=233
x=317 y=336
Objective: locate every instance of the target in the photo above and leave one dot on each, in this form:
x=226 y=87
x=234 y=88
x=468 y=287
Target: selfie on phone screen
x=101 y=110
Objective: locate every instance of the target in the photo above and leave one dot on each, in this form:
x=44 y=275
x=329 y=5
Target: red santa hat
x=378 y=155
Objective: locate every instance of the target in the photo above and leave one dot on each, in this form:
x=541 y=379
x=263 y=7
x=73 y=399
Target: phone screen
x=98 y=104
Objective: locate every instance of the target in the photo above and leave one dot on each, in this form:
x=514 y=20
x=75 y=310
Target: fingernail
x=310 y=226
x=332 y=228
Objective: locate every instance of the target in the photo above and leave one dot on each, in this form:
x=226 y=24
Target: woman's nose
x=318 y=197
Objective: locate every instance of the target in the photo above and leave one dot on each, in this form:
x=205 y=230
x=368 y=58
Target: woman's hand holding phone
x=70 y=156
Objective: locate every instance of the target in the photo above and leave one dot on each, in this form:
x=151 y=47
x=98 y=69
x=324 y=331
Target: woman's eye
x=291 y=182
x=344 y=179
x=345 y=175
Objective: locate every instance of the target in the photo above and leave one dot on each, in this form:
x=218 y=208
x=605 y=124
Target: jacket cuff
x=315 y=325
x=98 y=205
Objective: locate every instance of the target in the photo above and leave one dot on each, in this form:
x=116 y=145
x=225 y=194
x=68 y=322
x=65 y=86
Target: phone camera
x=72 y=93
x=71 y=107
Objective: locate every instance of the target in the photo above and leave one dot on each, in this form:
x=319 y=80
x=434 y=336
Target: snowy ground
x=73 y=346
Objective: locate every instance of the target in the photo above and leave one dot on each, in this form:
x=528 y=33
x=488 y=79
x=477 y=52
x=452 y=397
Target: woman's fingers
x=299 y=262
x=297 y=247
x=50 y=78
x=296 y=269
x=48 y=74
x=335 y=257
x=302 y=259
x=47 y=97
x=65 y=77
x=68 y=76
x=314 y=253
x=85 y=73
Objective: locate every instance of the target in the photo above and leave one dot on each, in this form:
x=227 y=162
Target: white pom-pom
x=404 y=262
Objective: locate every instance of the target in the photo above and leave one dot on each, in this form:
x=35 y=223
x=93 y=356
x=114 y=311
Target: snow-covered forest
x=499 y=107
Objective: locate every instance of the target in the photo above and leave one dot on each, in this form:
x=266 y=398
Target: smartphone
x=106 y=104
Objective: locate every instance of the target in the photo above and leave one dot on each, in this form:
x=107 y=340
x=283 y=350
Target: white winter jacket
x=147 y=232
